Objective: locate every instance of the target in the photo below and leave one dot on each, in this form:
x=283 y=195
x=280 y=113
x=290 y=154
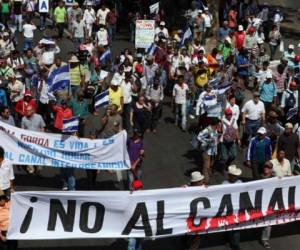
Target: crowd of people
x=242 y=92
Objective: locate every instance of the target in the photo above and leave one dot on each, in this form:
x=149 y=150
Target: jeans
x=266 y=233
x=78 y=41
x=112 y=30
x=228 y=152
x=136 y=175
x=18 y=22
x=156 y=113
x=181 y=115
x=68 y=178
x=74 y=90
x=273 y=49
x=42 y=21
x=61 y=28
x=134 y=244
x=252 y=126
x=27 y=43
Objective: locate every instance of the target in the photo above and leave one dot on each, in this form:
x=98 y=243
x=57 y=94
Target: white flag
x=154 y=8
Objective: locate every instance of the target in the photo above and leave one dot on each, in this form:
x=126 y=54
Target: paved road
x=168 y=160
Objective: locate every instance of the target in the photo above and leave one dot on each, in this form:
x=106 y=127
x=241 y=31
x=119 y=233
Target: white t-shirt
x=6 y=174
x=28 y=30
x=235 y=110
x=253 y=111
x=102 y=37
x=207 y=20
x=180 y=93
x=127 y=92
x=102 y=14
x=281 y=170
x=78 y=29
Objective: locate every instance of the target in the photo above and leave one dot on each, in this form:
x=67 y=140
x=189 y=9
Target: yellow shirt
x=115 y=97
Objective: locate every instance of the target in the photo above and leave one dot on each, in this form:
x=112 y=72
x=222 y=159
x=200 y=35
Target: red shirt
x=239 y=39
x=21 y=106
x=61 y=114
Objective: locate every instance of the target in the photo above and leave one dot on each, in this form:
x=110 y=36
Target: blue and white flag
x=223 y=88
x=151 y=50
x=291 y=113
x=71 y=125
x=209 y=101
x=102 y=99
x=154 y=8
x=187 y=35
x=59 y=78
x=105 y=56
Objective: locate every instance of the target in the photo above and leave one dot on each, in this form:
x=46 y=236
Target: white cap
x=240 y=28
x=262 y=130
x=116 y=80
x=205 y=8
x=269 y=74
x=291 y=46
x=196 y=176
x=234 y=170
x=228 y=39
x=200 y=11
x=298 y=45
x=162 y=23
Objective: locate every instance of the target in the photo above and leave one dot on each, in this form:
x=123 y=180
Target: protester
x=6 y=175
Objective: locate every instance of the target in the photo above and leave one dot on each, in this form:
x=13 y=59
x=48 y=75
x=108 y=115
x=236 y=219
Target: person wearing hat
x=239 y=37
x=115 y=91
x=225 y=48
x=289 y=143
x=290 y=101
x=89 y=17
x=274 y=40
x=289 y=55
x=268 y=91
x=6 y=45
x=23 y=103
x=253 y=114
x=233 y=175
x=15 y=88
x=274 y=128
x=208 y=19
x=77 y=76
x=161 y=31
x=259 y=151
x=230 y=137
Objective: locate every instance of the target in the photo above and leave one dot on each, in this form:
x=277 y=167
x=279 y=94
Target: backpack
x=290 y=101
x=230 y=132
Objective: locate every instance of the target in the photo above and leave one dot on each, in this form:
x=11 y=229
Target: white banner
x=154 y=213
x=24 y=147
x=144 y=33
x=43 y=6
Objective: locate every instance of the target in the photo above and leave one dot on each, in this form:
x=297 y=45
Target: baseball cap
x=291 y=46
x=262 y=130
x=240 y=28
x=137 y=184
x=288 y=125
x=228 y=111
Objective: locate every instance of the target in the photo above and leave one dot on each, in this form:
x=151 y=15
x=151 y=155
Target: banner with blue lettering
x=43 y=6
x=154 y=213
x=24 y=147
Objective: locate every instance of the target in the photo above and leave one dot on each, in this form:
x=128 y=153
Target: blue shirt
x=223 y=32
x=268 y=91
x=242 y=60
x=3 y=99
